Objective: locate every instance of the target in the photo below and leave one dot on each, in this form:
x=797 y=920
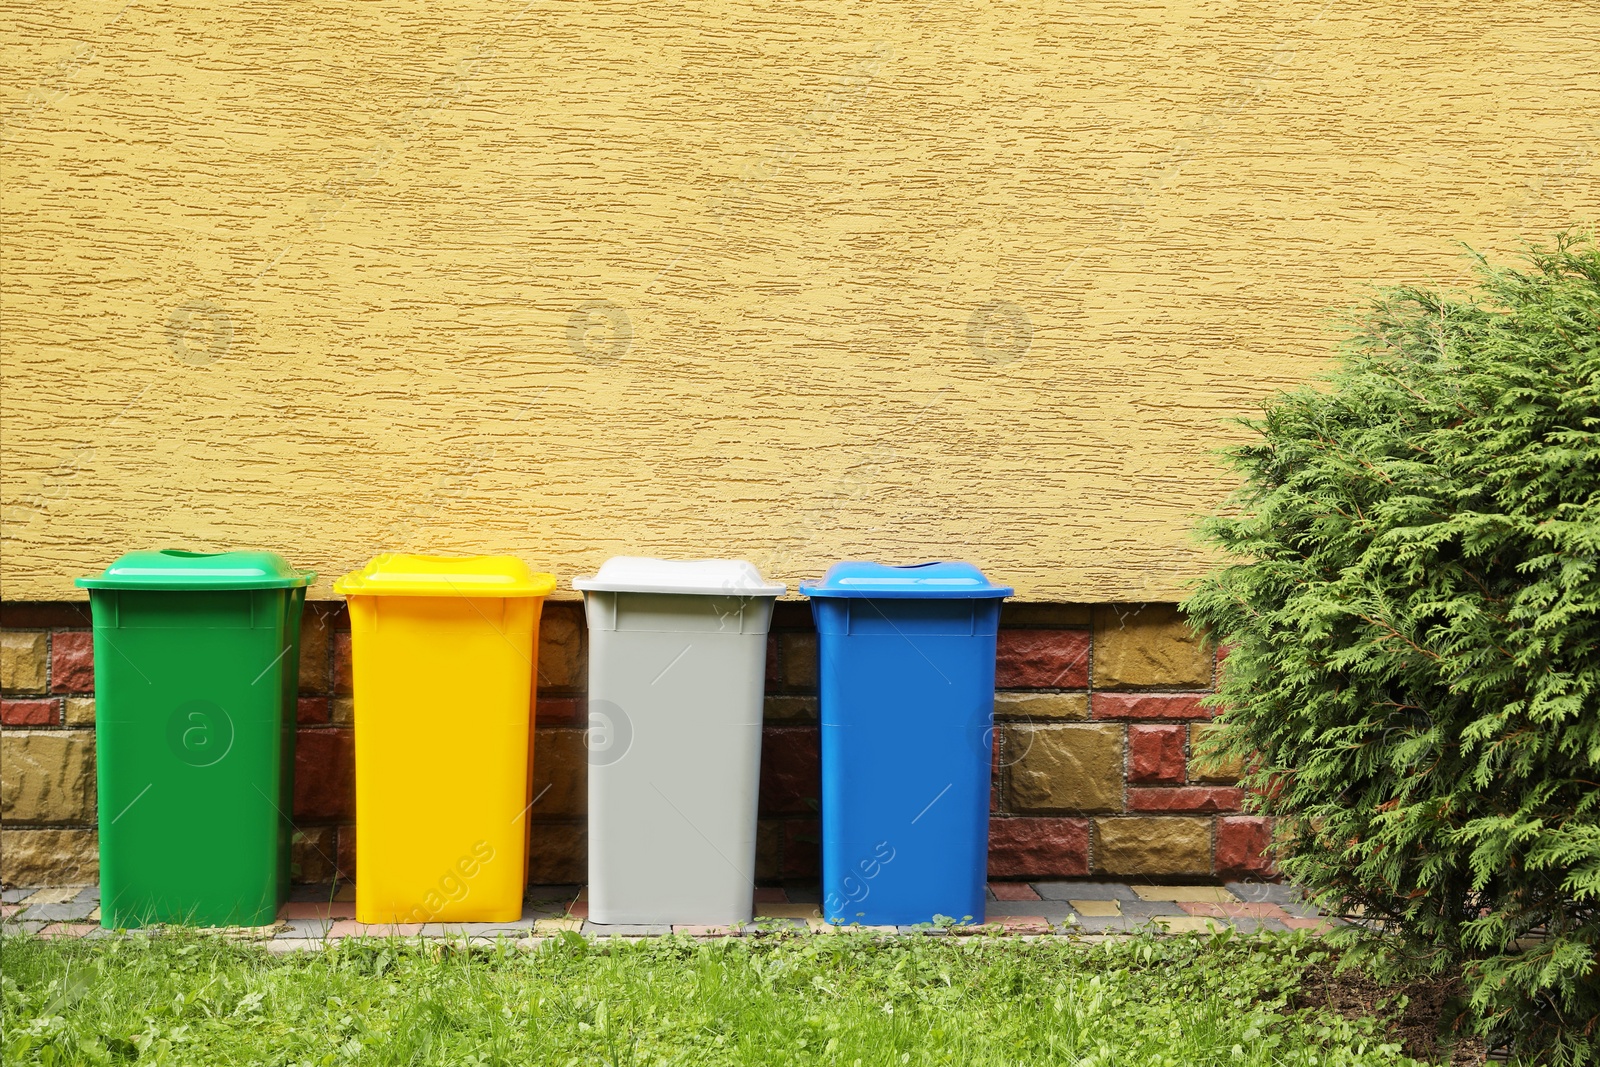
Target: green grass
x=823 y=999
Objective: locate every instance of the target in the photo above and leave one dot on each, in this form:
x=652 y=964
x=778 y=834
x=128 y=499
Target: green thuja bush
x=1412 y=612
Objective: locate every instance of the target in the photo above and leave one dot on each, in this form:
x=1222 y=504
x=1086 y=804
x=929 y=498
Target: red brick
x=30 y=712
x=343 y=678
x=1155 y=754
x=324 y=774
x=1147 y=706
x=802 y=849
x=1242 y=846
x=1013 y=891
x=1189 y=798
x=771 y=894
x=1042 y=659
x=71 y=662
x=562 y=711
x=1038 y=848
x=347 y=852
x=311 y=711
x=44 y=615
x=774 y=678
x=791 y=776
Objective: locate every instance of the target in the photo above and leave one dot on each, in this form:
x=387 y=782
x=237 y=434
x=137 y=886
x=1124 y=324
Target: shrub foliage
x=1412 y=611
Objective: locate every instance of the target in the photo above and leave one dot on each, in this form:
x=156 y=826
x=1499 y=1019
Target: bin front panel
x=194 y=697
x=905 y=823
x=443 y=691
x=674 y=758
x=907 y=710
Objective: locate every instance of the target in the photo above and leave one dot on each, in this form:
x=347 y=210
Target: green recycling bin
x=196 y=663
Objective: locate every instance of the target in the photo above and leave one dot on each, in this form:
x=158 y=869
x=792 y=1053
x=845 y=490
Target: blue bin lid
x=947 y=580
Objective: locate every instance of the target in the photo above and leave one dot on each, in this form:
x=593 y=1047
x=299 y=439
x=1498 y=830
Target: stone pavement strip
x=320 y=915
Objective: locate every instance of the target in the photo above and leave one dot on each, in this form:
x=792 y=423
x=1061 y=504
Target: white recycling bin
x=677 y=673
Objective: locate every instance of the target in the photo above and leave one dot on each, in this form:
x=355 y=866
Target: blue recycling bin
x=906 y=657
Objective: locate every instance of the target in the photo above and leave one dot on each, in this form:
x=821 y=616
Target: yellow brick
x=1065 y=768
x=1096 y=909
x=49 y=776
x=1138 y=645
x=23 y=661
x=80 y=711
x=1152 y=845
x=49 y=857
x=1203 y=770
x=342 y=710
x=1033 y=707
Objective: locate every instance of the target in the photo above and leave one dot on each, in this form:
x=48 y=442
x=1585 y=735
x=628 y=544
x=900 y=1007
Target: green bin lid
x=173 y=568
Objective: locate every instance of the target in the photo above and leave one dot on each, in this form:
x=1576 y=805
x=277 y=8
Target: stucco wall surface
x=796 y=281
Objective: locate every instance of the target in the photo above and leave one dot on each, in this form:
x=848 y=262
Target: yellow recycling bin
x=443 y=651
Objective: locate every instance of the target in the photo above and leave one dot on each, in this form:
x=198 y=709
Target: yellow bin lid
x=404 y=574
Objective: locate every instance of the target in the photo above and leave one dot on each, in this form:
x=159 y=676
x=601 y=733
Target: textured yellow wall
x=796 y=280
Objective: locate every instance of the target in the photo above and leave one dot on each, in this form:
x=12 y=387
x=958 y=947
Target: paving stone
x=1021 y=924
x=89 y=893
x=1235 y=910
x=16 y=896
x=1144 y=909
x=489 y=930
x=698 y=930
x=1302 y=910
x=1265 y=892
x=1050 y=909
x=626 y=929
x=1113 y=924
x=326 y=909
x=1084 y=891
x=52 y=895
x=1190 y=924
x=788 y=911
x=1097 y=909
x=1012 y=891
x=924 y=930
x=71 y=911
x=1212 y=893
x=304 y=928
x=549 y=927
x=1319 y=926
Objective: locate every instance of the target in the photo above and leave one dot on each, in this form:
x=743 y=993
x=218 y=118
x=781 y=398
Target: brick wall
x=1097 y=711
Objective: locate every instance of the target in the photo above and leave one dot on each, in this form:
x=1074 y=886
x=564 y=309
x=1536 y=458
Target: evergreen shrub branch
x=1412 y=611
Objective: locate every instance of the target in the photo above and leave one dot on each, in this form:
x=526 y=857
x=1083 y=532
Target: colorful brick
x=1042 y=659
x=1156 y=754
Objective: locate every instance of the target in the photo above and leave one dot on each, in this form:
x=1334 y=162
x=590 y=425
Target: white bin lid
x=710 y=577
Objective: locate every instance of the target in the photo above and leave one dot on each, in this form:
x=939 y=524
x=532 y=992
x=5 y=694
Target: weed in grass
x=845 y=998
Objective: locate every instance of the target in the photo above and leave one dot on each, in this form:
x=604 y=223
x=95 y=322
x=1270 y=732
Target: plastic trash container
x=906 y=663
x=443 y=652
x=196 y=663
x=677 y=672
